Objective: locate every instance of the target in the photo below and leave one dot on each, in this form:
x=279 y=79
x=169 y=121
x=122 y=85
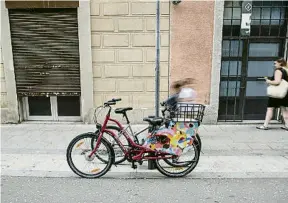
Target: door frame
x=246 y=59
x=231 y=33
x=242 y=77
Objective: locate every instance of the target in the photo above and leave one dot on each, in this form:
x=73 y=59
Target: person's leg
x=285 y=117
x=269 y=115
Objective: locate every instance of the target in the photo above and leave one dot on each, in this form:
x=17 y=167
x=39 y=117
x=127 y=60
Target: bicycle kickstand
x=134 y=166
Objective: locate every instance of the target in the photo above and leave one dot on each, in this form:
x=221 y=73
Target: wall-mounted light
x=176 y=2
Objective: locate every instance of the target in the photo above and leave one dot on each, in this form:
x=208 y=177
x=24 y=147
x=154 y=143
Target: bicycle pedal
x=134 y=167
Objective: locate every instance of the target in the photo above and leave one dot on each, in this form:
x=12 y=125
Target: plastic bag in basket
x=176 y=139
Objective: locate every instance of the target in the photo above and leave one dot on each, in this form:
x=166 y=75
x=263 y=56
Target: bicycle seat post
x=126 y=117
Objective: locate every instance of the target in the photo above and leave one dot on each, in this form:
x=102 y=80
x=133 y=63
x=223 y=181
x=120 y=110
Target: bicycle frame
x=140 y=149
x=134 y=135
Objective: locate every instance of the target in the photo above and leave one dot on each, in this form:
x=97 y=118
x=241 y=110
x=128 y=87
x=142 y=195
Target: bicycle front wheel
x=79 y=161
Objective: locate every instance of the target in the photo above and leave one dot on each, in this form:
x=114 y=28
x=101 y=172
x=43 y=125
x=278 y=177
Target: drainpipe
x=157 y=70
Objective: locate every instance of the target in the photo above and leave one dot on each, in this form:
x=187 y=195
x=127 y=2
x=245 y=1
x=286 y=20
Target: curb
x=153 y=174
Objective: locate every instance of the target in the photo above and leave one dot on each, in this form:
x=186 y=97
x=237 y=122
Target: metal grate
x=268 y=19
x=240 y=53
x=45 y=51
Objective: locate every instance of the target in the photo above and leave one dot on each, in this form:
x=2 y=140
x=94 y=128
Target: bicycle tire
x=181 y=174
x=111 y=127
x=198 y=144
x=76 y=170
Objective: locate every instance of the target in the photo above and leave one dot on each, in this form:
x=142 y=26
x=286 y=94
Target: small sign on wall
x=246 y=18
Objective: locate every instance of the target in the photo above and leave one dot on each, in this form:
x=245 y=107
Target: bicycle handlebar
x=115 y=100
x=112 y=102
x=109 y=103
x=162 y=103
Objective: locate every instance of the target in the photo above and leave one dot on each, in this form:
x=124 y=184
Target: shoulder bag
x=278 y=91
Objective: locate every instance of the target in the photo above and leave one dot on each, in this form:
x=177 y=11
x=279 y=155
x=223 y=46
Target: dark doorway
x=246 y=60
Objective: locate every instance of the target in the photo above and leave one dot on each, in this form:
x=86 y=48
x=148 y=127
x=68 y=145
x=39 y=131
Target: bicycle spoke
x=84 y=165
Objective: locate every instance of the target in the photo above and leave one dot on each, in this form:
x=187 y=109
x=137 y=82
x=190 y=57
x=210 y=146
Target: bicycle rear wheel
x=175 y=160
x=198 y=142
x=92 y=167
x=180 y=168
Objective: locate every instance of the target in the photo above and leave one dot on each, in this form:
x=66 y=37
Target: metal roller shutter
x=45 y=51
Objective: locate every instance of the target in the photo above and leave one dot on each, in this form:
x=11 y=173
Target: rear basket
x=188 y=112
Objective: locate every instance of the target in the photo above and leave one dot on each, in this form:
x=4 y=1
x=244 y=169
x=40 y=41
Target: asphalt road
x=74 y=190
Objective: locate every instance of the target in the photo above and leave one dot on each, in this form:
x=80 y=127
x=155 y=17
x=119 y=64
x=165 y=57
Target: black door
x=246 y=60
x=261 y=55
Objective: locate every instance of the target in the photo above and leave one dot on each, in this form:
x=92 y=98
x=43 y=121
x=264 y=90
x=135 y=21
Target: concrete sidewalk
x=229 y=151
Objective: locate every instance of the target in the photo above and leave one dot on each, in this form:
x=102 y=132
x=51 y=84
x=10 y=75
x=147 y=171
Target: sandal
x=262 y=127
x=284 y=128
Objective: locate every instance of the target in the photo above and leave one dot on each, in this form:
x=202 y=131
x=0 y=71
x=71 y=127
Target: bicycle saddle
x=123 y=110
x=154 y=121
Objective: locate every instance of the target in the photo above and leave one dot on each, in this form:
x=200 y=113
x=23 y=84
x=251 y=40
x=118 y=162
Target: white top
x=187 y=93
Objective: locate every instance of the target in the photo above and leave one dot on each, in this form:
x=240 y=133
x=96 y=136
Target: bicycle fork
x=97 y=144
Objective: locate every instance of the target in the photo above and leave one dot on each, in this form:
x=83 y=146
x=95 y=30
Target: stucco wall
x=192 y=24
x=9 y=103
x=3 y=84
x=123 y=53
